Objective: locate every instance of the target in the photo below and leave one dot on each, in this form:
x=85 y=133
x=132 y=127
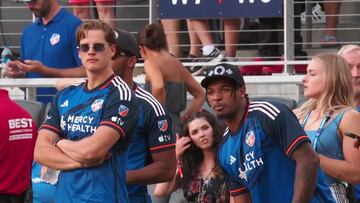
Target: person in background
x=151 y=154
x=328 y=116
x=351 y=54
x=48 y=46
x=89 y=125
x=332 y=10
x=104 y=9
x=263 y=144
x=209 y=51
x=166 y=78
x=17 y=140
x=198 y=174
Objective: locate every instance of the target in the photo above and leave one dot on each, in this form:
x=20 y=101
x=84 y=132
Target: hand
x=182 y=144
x=13 y=71
x=97 y=162
x=32 y=66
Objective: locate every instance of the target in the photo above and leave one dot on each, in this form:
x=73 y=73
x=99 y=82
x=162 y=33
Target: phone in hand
x=14 y=58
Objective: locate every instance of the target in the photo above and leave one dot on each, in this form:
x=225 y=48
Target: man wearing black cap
x=264 y=145
x=151 y=155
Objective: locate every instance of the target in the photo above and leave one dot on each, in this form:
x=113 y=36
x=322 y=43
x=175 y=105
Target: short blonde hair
x=338 y=89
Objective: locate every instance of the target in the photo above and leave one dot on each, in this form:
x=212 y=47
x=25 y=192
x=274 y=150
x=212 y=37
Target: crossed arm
x=67 y=155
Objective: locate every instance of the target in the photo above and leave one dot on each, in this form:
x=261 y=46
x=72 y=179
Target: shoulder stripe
x=124 y=90
x=265 y=107
x=226 y=131
x=267 y=104
x=142 y=94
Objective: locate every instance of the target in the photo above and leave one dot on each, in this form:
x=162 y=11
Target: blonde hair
x=337 y=92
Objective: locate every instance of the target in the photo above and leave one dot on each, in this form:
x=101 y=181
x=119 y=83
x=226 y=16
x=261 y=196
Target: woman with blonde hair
x=328 y=116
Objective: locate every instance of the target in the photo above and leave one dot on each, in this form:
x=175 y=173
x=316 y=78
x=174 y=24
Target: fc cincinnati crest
x=97 y=104
x=250 y=138
x=163 y=125
x=54 y=39
x=123 y=110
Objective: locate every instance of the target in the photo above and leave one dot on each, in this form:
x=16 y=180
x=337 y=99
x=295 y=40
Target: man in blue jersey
x=351 y=53
x=151 y=155
x=87 y=131
x=265 y=154
x=48 y=46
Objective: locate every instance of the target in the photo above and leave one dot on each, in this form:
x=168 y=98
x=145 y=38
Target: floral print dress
x=207 y=190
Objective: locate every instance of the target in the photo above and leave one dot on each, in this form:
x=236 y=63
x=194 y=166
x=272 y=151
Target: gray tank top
x=175 y=96
x=175 y=102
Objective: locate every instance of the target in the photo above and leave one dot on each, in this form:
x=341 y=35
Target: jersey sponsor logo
x=20 y=123
x=54 y=39
x=117 y=120
x=123 y=110
x=97 y=104
x=62 y=123
x=250 y=163
x=79 y=123
x=65 y=104
x=232 y=159
x=250 y=138
x=242 y=174
x=163 y=125
x=164 y=138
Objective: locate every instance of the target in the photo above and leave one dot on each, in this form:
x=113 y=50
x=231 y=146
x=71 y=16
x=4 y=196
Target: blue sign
x=220 y=8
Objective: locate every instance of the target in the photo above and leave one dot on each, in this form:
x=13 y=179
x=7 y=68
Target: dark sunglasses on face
x=97 y=47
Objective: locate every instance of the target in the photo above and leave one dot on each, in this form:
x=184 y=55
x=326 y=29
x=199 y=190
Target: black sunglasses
x=97 y=47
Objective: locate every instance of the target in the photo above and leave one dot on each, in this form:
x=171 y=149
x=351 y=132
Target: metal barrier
x=29 y=85
x=133 y=14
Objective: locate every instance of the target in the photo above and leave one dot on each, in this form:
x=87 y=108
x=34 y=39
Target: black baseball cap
x=223 y=70
x=125 y=41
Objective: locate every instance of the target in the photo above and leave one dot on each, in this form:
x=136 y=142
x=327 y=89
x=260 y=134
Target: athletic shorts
x=88 y=1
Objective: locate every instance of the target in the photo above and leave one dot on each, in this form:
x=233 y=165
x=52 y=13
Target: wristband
x=57 y=140
x=179 y=167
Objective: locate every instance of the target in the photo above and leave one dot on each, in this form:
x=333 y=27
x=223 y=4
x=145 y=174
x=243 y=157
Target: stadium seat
x=36 y=110
x=290 y=103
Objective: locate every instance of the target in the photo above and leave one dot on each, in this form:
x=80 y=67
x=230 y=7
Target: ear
x=113 y=50
x=132 y=61
x=242 y=91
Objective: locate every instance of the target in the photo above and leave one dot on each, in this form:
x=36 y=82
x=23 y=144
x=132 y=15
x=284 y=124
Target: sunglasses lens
x=84 y=47
x=99 y=47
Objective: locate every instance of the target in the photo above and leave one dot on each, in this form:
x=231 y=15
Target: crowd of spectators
x=106 y=139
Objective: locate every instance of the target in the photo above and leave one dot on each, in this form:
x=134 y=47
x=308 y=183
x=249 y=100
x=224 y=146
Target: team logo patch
x=54 y=39
x=250 y=138
x=97 y=104
x=123 y=110
x=163 y=125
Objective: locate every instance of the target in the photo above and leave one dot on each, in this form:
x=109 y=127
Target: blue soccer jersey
x=152 y=135
x=76 y=113
x=257 y=158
